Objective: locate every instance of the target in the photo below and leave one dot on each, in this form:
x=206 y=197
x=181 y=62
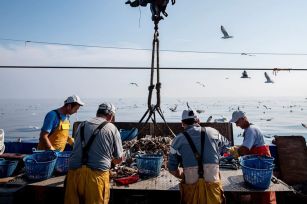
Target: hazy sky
x=277 y=26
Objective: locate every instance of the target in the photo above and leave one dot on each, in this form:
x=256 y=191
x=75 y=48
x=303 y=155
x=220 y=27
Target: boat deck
x=161 y=189
x=232 y=181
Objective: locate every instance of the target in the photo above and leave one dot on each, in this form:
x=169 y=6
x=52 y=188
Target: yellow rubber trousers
x=87 y=186
x=202 y=192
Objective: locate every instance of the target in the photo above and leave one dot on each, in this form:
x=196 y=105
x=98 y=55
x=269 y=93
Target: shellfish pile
x=147 y=145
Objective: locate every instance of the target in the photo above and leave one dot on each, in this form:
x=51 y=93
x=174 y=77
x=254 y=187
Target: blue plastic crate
x=257 y=172
x=149 y=165
x=62 y=162
x=7 y=167
x=40 y=165
x=127 y=135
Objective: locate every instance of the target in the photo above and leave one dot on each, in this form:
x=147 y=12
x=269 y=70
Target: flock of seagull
x=244 y=74
x=267 y=77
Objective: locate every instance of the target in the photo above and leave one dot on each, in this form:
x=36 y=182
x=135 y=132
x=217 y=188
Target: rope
x=276 y=181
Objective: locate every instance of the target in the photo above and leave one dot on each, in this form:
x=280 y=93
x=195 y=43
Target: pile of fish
x=146 y=145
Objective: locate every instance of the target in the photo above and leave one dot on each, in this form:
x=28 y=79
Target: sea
x=21 y=119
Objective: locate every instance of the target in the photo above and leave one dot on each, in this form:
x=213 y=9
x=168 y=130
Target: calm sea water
x=23 y=118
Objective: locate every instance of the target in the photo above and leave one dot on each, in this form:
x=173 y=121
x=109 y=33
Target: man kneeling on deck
x=198 y=150
x=97 y=145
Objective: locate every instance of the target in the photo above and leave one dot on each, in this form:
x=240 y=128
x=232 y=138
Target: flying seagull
x=244 y=75
x=199 y=111
x=304 y=125
x=244 y=53
x=268 y=79
x=266 y=107
x=201 y=84
x=174 y=109
x=226 y=36
x=133 y=83
x=209 y=119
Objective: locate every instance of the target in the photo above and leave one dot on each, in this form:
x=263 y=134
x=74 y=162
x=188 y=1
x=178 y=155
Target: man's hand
x=52 y=148
x=70 y=140
x=234 y=151
x=178 y=173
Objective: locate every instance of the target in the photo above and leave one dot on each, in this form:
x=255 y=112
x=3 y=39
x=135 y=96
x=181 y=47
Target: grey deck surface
x=232 y=181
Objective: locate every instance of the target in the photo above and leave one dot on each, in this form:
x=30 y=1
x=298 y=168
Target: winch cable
x=150 y=107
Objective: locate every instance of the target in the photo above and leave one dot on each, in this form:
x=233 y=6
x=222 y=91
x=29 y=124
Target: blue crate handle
x=31 y=160
x=159 y=154
x=34 y=150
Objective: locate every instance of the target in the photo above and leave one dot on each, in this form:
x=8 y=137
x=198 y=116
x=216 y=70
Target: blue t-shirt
x=51 y=121
x=253 y=137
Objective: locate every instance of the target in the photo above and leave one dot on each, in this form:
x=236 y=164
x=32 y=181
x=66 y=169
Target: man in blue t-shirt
x=55 y=131
x=253 y=143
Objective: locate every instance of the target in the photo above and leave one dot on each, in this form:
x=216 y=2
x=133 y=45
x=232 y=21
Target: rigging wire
x=148 y=49
x=146 y=68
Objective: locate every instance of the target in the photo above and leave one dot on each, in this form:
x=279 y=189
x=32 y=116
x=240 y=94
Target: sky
x=258 y=26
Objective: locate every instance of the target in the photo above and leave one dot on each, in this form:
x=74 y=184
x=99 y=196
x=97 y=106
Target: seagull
x=244 y=53
x=244 y=75
x=209 y=119
x=200 y=111
x=201 y=84
x=304 y=125
x=226 y=36
x=268 y=79
x=266 y=119
x=133 y=83
x=174 y=109
x=188 y=106
x=266 y=107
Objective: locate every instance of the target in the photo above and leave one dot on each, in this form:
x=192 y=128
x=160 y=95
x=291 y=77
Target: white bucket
x=2 y=147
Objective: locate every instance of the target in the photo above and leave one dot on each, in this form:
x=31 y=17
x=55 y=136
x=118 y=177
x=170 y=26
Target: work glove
x=70 y=140
x=234 y=151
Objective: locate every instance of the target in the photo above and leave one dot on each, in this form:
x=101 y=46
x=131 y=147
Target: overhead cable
x=148 y=49
x=145 y=68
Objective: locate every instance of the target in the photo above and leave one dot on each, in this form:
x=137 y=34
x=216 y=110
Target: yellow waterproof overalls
x=201 y=192
x=59 y=137
x=86 y=185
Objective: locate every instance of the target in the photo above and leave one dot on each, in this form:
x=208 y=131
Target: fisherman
x=201 y=181
x=55 y=131
x=98 y=144
x=253 y=143
x=156 y=7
